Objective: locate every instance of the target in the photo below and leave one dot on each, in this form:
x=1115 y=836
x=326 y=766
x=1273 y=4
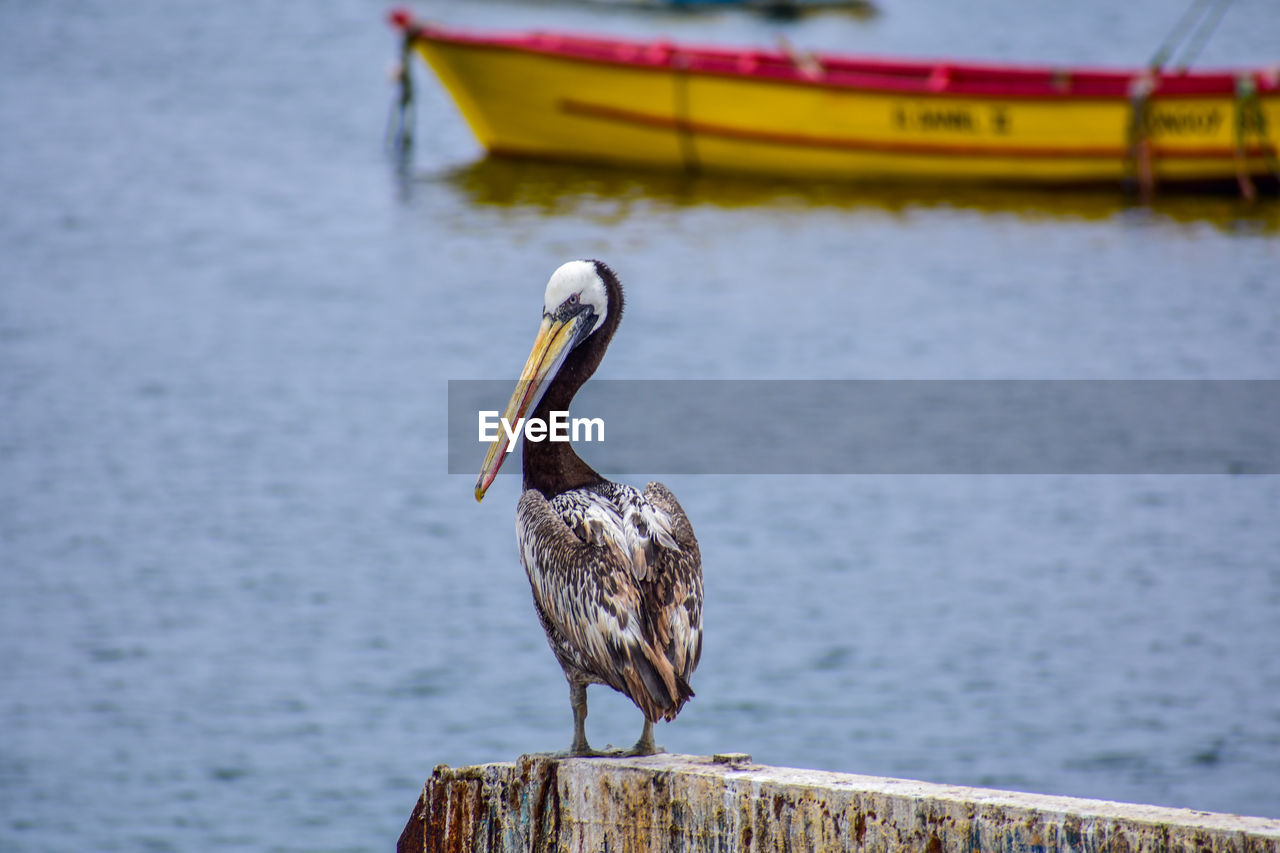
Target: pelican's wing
x=588 y=592
x=679 y=578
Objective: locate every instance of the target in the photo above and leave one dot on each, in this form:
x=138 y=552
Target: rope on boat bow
x=1208 y=13
x=1139 y=159
x=400 y=122
x=1251 y=121
x=1204 y=16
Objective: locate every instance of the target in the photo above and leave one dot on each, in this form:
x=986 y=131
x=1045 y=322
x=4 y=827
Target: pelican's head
x=575 y=304
x=576 y=288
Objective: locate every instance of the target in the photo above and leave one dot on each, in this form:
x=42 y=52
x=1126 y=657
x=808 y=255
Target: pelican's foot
x=572 y=753
x=582 y=749
x=610 y=751
x=645 y=745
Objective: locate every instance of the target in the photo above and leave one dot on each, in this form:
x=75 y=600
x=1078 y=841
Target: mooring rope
x=1208 y=13
x=1201 y=36
x=1176 y=34
x=1190 y=34
x=1250 y=120
x=401 y=120
x=1139 y=159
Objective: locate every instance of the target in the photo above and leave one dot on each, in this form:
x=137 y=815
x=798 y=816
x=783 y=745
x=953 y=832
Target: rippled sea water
x=242 y=605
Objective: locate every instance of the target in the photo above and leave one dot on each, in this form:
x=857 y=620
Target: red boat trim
x=607 y=113
x=918 y=79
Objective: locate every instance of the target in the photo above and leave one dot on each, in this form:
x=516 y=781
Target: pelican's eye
x=570 y=307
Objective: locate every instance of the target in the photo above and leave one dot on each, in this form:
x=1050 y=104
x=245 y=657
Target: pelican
x=616 y=573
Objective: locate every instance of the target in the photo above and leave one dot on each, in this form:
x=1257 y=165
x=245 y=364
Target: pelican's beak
x=556 y=337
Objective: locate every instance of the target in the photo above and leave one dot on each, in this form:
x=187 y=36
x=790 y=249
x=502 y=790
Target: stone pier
x=727 y=803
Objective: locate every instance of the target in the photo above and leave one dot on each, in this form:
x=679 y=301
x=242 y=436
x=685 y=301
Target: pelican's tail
x=657 y=689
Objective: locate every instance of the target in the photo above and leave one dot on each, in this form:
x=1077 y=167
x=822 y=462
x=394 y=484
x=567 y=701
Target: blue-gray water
x=242 y=605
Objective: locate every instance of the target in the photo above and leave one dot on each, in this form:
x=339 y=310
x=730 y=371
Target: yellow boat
x=661 y=104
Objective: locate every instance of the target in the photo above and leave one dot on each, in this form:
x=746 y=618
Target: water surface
x=242 y=605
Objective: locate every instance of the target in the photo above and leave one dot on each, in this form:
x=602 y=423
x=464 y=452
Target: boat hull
x=664 y=106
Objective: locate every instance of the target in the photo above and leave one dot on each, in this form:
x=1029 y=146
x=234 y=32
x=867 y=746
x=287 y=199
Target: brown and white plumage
x=617 y=583
x=616 y=574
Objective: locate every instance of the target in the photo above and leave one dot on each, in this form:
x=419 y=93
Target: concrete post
x=726 y=803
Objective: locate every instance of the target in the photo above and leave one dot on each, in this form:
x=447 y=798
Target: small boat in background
x=791 y=114
x=770 y=8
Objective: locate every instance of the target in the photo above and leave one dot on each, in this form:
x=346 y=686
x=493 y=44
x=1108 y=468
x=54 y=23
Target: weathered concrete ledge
x=693 y=803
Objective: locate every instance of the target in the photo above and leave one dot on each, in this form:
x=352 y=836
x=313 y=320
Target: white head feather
x=578 y=277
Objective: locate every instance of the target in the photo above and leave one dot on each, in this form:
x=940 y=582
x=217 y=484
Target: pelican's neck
x=552 y=467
